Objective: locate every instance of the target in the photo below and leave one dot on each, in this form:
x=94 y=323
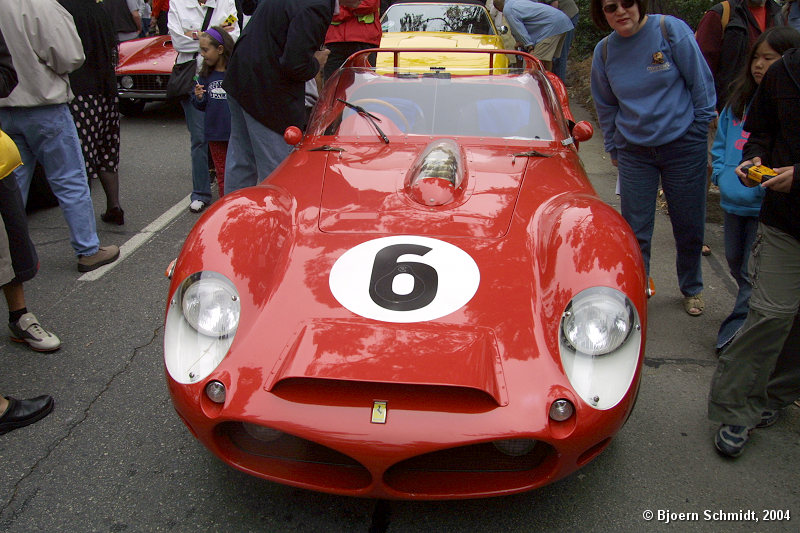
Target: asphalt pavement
x=114 y=456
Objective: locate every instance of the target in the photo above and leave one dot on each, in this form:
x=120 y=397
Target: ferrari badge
x=378 y=412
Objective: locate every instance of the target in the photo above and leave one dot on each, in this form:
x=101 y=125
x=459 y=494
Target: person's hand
x=322 y=57
x=199 y=91
x=614 y=162
x=782 y=182
x=229 y=27
x=741 y=174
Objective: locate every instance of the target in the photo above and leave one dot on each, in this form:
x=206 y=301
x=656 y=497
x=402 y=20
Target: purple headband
x=216 y=35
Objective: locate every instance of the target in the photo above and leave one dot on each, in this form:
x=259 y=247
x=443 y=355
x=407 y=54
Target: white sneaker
x=197 y=205
x=28 y=330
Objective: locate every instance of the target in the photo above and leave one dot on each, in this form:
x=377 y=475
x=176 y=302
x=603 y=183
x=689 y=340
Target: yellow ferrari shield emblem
x=378 y=412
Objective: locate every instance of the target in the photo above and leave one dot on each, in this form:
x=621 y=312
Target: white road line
x=140 y=238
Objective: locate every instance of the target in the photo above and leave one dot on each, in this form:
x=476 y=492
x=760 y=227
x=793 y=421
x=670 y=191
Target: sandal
x=693 y=305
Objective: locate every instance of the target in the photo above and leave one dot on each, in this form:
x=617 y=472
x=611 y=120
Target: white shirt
x=188 y=15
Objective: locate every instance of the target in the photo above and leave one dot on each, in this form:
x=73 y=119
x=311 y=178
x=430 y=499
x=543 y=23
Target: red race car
x=143 y=72
x=426 y=300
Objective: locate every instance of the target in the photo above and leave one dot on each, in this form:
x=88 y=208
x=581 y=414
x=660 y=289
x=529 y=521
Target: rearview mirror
x=582 y=131
x=293 y=135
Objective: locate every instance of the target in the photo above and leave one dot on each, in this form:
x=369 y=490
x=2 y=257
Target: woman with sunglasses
x=654 y=96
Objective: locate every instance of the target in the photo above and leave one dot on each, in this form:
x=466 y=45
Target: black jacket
x=274 y=57
x=727 y=52
x=97 y=74
x=8 y=76
x=774 y=125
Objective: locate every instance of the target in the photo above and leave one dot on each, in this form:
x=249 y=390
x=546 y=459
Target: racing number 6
x=386 y=268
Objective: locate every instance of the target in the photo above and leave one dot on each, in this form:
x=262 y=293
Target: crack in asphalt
x=656 y=362
x=14 y=513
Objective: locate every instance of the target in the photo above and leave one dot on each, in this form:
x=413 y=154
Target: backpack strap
x=724 y=17
x=662 y=23
x=726 y=14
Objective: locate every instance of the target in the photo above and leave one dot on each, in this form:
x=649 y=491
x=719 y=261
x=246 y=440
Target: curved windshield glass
x=437 y=17
x=511 y=106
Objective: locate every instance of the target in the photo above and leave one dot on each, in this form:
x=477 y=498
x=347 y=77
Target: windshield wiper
x=369 y=116
x=530 y=153
x=327 y=148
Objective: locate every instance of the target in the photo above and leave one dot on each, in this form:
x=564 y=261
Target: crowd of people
x=663 y=95
x=675 y=108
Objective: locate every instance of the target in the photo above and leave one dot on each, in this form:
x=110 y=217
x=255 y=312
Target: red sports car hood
x=151 y=54
x=363 y=194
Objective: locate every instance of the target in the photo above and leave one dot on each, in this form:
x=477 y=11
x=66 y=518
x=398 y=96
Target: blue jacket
x=726 y=154
x=649 y=90
x=217 y=117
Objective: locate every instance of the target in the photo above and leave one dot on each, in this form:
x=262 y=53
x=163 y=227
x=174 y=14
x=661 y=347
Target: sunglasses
x=612 y=8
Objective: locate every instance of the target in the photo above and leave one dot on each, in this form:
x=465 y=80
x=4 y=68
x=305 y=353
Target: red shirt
x=760 y=14
x=159 y=6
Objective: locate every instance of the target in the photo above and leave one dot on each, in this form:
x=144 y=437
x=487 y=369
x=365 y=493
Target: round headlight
x=126 y=82
x=211 y=305
x=597 y=321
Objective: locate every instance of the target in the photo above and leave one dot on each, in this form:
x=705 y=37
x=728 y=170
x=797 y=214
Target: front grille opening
x=149 y=82
x=292 y=459
x=457 y=471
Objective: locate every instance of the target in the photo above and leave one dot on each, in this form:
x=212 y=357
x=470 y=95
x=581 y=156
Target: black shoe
x=115 y=215
x=730 y=440
x=21 y=413
x=769 y=417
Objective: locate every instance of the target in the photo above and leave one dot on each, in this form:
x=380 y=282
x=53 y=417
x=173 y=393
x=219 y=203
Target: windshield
x=437 y=17
x=510 y=106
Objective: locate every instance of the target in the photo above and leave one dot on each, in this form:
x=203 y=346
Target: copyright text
x=667 y=516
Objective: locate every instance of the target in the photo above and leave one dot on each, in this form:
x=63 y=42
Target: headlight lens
x=211 y=306
x=126 y=82
x=597 y=321
x=202 y=319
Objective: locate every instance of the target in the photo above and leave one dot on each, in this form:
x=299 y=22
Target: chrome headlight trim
x=597 y=321
x=210 y=304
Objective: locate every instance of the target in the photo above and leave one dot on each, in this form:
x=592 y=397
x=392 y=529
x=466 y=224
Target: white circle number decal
x=404 y=279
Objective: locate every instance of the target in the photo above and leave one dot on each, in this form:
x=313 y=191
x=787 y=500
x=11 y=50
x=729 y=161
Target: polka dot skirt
x=97 y=121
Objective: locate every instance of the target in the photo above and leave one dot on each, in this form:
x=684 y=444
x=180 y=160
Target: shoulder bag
x=181 y=80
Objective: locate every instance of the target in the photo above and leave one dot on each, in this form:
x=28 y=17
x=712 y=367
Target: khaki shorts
x=6 y=270
x=547 y=49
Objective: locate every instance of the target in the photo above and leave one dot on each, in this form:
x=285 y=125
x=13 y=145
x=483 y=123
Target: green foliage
x=587 y=35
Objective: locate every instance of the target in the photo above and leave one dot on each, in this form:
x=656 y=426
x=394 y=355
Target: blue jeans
x=681 y=167
x=740 y=233
x=47 y=134
x=254 y=150
x=560 y=62
x=195 y=122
